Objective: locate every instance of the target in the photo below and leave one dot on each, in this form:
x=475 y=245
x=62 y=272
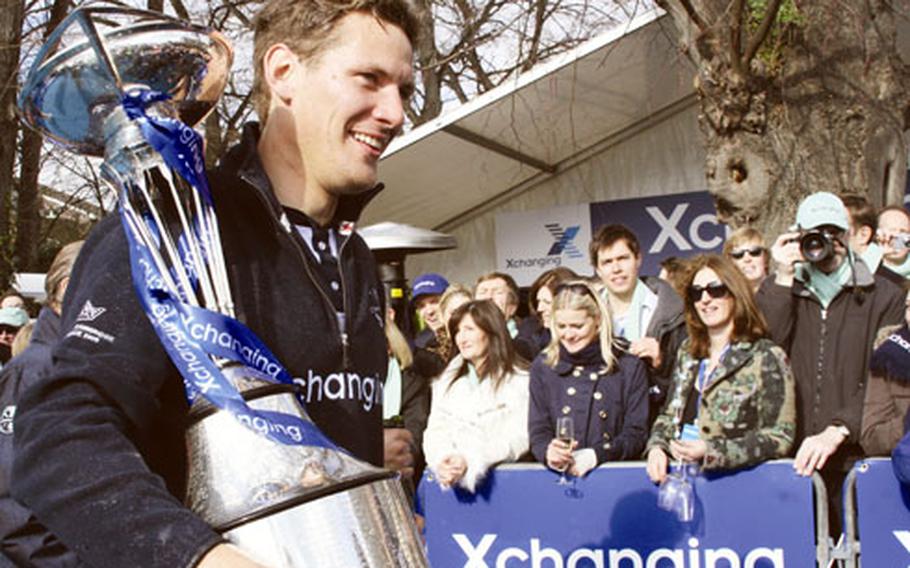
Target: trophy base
x=368 y=526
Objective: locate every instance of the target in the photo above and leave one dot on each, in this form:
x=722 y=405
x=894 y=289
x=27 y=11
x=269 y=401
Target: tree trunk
x=28 y=211
x=10 y=30
x=820 y=104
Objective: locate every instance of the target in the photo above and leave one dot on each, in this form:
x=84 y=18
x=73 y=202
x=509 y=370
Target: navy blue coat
x=609 y=410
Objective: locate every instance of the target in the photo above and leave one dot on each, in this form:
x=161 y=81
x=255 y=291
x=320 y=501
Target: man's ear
x=279 y=66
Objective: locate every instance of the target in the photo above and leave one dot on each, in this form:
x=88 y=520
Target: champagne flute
x=565 y=433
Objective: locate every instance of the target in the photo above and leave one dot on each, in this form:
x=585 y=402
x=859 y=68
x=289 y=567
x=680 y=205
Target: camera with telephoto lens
x=817 y=245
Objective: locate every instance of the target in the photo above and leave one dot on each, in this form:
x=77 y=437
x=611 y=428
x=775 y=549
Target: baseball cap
x=822 y=208
x=14 y=317
x=429 y=283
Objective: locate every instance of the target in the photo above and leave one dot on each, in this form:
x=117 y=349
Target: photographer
x=824 y=307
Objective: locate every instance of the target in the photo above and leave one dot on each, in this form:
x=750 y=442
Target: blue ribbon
x=191 y=336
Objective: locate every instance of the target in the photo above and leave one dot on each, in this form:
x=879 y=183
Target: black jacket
x=100 y=443
x=830 y=349
x=609 y=410
x=668 y=327
x=23 y=541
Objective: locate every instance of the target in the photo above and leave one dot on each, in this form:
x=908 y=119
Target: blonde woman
x=585 y=374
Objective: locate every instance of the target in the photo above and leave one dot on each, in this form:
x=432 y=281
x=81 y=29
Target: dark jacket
x=886 y=405
x=830 y=349
x=668 y=327
x=23 y=540
x=100 y=443
x=609 y=410
x=533 y=337
x=748 y=410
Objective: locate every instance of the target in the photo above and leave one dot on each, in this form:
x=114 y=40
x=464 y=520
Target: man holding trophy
x=101 y=456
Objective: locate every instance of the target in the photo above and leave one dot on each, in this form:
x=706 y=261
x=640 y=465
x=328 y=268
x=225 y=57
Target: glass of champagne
x=565 y=433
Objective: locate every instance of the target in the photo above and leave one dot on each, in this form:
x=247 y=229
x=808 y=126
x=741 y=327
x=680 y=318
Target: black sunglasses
x=8 y=329
x=754 y=252
x=714 y=289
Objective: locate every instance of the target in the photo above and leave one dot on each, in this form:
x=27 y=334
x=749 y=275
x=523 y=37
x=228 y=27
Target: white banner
x=531 y=242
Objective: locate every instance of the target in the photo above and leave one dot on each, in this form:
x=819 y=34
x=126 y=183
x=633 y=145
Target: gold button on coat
x=571 y=391
x=603 y=414
x=566 y=410
x=598 y=396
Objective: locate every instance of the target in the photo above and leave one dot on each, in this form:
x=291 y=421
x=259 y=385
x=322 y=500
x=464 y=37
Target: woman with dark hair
x=533 y=331
x=584 y=374
x=479 y=411
x=733 y=401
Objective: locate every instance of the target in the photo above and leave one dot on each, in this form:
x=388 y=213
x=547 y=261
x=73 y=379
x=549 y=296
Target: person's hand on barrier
x=658 y=462
x=227 y=556
x=688 y=450
x=646 y=348
x=815 y=450
x=451 y=469
x=785 y=253
x=559 y=454
x=398 y=451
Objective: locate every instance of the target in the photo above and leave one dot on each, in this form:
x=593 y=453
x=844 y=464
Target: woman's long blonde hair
x=579 y=295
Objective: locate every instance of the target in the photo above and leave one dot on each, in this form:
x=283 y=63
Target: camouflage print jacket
x=748 y=411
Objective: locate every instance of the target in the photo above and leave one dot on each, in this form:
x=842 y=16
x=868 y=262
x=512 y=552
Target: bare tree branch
x=761 y=33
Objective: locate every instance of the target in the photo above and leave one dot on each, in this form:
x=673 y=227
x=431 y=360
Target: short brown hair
x=862 y=213
x=515 y=291
x=748 y=322
x=609 y=234
x=306 y=27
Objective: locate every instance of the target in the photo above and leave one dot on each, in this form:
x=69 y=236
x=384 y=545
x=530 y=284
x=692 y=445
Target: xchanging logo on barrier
x=563 y=245
x=479 y=556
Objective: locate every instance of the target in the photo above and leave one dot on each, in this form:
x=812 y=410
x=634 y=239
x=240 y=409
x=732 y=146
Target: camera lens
x=816 y=246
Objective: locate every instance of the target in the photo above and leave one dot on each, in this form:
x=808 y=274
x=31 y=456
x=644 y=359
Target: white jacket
x=482 y=425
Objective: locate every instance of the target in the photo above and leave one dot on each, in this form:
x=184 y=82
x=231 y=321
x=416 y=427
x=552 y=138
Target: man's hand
x=657 y=465
x=398 y=451
x=785 y=254
x=688 y=450
x=559 y=454
x=227 y=556
x=815 y=450
x=452 y=469
x=646 y=348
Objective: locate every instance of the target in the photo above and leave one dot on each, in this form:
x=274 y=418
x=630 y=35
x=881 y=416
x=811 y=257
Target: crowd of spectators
x=800 y=350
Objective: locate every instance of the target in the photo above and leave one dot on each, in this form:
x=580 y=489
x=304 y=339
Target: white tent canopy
x=537 y=142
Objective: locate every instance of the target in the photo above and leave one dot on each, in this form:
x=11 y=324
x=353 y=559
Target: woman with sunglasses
x=585 y=374
x=479 y=409
x=746 y=248
x=733 y=401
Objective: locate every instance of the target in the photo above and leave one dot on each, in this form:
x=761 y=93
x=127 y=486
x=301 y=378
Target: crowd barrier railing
x=759 y=517
x=877 y=516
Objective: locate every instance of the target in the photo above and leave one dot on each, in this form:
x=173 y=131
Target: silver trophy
x=285 y=505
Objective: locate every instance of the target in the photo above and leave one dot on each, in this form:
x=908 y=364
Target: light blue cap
x=15 y=317
x=822 y=208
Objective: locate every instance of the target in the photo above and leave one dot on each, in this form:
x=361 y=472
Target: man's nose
x=390 y=108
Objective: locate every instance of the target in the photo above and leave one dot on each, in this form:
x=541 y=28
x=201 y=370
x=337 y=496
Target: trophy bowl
x=71 y=91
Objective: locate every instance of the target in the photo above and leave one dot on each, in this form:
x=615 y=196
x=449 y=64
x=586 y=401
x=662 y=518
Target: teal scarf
x=903 y=269
x=873 y=257
x=823 y=286
x=391 y=391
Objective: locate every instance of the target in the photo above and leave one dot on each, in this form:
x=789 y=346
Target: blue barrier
x=762 y=517
x=882 y=514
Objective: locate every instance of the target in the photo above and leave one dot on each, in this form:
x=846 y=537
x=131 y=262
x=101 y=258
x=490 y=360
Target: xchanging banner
x=530 y=242
x=521 y=517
